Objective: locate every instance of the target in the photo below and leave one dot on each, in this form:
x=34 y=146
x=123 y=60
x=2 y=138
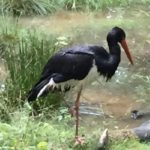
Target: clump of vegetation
x=45 y=7
x=26 y=7
x=38 y=133
x=25 y=131
x=25 y=53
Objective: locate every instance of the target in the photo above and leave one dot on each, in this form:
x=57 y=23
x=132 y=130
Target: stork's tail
x=39 y=89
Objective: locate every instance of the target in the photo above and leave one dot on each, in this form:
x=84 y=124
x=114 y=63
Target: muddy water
x=115 y=102
x=117 y=98
x=115 y=108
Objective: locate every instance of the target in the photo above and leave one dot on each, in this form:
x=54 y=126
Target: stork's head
x=118 y=35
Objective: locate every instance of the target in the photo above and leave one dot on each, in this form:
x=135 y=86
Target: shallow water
x=115 y=106
x=118 y=97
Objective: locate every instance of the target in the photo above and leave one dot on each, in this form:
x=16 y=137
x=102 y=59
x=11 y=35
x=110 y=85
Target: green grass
x=44 y=7
x=128 y=144
x=25 y=131
x=38 y=133
x=28 y=132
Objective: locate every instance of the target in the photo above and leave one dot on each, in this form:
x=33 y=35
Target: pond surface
x=126 y=91
x=114 y=108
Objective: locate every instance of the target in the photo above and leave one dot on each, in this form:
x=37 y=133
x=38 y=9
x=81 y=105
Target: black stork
x=76 y=63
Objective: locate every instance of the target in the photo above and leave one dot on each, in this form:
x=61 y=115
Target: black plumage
x=76 y=62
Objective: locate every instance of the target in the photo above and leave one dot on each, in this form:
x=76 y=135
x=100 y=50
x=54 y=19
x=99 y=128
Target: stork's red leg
x=77 y=104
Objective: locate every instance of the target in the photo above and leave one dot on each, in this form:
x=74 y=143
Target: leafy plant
x=26 y=7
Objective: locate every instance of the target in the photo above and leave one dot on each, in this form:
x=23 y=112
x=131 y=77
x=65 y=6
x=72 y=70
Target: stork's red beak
x=126 y=49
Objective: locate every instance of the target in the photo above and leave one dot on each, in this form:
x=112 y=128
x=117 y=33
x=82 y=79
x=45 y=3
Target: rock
x=103 y=140
x=143 y=131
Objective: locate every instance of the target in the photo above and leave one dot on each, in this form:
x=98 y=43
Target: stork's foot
x=79 y=140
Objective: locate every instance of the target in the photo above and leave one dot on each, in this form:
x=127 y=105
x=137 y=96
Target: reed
x=45 y=7
x=25 y=57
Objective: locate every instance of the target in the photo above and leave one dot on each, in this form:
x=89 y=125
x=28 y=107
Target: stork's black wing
x=71 y=66
x=63 y=66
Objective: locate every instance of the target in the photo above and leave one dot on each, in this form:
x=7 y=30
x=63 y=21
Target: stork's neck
x=115 y=50
x=115 y=55
x=107 y=67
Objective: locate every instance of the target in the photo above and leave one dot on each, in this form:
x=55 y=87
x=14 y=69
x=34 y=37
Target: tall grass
x=25 y=52
x=94 y=4
x=44 y=7
x=26 y=7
